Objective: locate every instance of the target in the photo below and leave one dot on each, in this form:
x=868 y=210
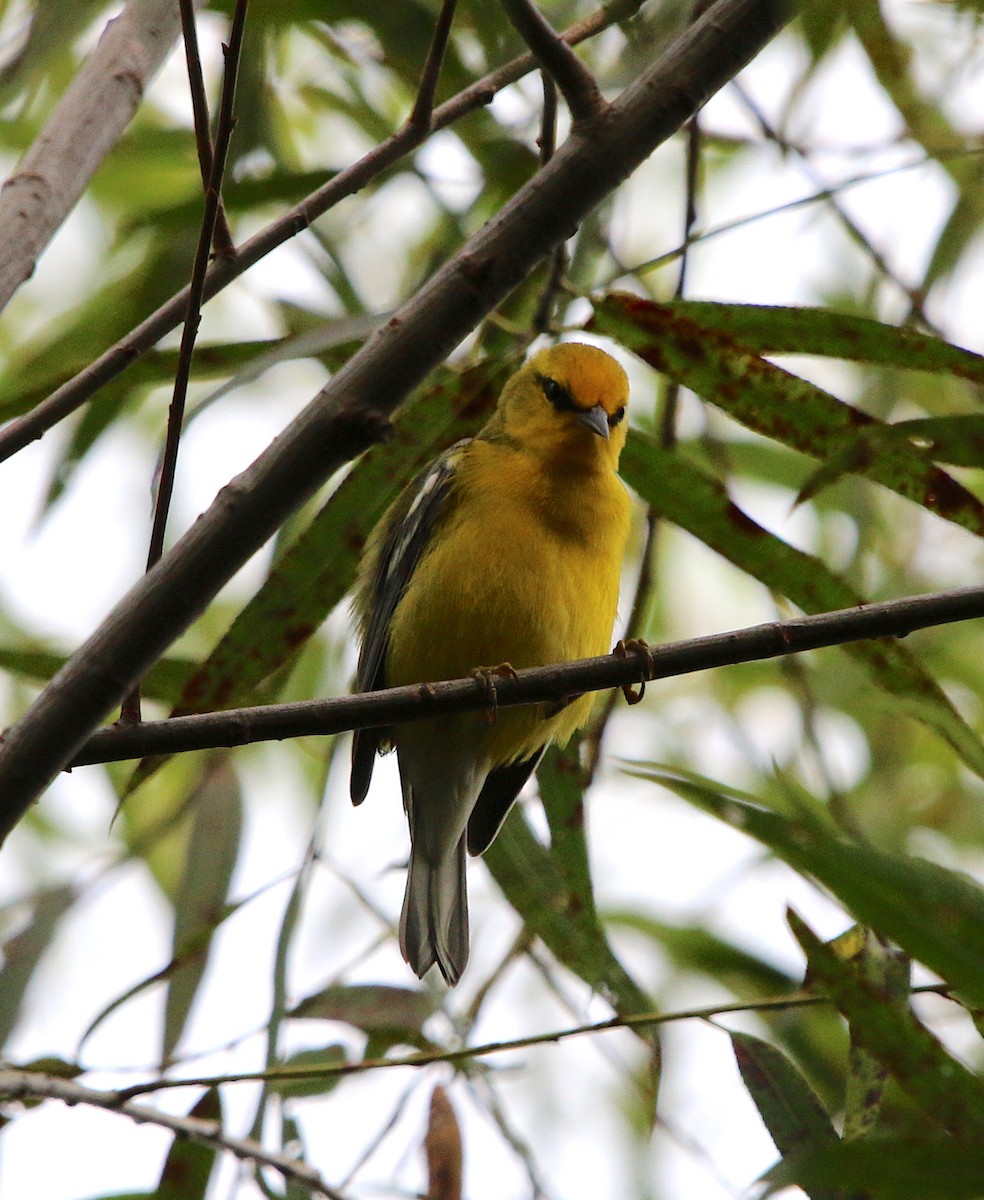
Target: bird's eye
x=615 y=417
x=553 y=391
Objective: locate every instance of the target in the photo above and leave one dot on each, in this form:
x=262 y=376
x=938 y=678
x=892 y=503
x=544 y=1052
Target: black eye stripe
x=557 y=394
x=563 y=401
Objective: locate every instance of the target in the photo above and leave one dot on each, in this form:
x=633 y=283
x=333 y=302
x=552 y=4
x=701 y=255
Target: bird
x=506 y=550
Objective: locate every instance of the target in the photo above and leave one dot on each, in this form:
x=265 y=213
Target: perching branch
x=31 y=1085
x=82 y=387
x=345 y=417
x=240 y=726
x=87 y=122
x=558 y=60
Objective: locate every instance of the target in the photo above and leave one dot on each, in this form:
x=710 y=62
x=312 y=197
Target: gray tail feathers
x=434 y=921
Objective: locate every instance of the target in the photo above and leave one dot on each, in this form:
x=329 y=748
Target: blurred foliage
x=824 y=448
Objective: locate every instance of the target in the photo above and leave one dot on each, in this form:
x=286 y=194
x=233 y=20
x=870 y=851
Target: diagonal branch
x=86 y=124
x=554 y=684
x=31 y=1085
x=82 y=387
x=558 y=60
x=349 y=412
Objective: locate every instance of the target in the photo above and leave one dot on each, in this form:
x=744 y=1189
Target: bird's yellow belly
x=526 y=594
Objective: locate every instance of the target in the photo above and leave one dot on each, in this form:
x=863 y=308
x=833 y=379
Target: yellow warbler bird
x=507 y=549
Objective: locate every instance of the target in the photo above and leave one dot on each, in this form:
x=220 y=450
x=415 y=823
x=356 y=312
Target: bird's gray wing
x=425 y=504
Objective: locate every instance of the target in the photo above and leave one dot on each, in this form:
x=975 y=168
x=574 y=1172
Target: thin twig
x=222 y=237
x=422 y=112
x=83 y=386
x=175 y=417
x=466 y=1054
x=225 y=125
x=558 y=60
x=237 y=727
x=29 y=1085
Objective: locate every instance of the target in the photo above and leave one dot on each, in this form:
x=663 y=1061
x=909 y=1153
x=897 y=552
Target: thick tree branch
x=240 y=726
x=31 y=1085
x=82 y=387
x=84 y=127
x=339 y=422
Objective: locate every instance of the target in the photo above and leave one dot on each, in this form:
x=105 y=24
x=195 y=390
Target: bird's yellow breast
x=525 y=571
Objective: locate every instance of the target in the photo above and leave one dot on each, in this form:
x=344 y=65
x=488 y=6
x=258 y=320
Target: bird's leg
x=487 y=676
x=641 y=649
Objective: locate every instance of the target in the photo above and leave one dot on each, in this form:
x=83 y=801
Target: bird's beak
x=595 y=419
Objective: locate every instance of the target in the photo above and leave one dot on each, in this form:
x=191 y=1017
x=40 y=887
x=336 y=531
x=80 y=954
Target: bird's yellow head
x=568 y=401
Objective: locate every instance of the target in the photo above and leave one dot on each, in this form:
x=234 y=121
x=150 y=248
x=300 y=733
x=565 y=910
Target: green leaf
x=164 y=681
x=788 y=1106
x=213 y=848
x=946 y=1091
x=393 y=1014
x=534 y=885
x=332 y=1055
x=934 y=914
x=888 y=972
x=188 y=1166
x=889 y=1169
x=700 y=505
x=23 y=951
x=775 y=403
x=774 y=329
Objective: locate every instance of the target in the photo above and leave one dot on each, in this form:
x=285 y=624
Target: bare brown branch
x=30 y=1085
x=237 y=727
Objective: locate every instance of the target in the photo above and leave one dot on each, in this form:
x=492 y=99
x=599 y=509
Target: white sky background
x=675 y=863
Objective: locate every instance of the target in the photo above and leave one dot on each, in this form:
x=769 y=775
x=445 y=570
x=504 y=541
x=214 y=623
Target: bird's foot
x=488 y=677
x=640 y=649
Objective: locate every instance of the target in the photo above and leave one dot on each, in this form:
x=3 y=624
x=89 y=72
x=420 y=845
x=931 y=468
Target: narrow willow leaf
x=164 y=681
x=561 y=782
x=946 y=1091
x=394 y=1013
x=789 y=1107
x=700 y=505
x=188 y=1166
x=310 y=1062
x=774 y=329
x=776 y=403
x=694 y=949
x=887 y=970
x=23 y=951
x=934 y=914
x=889 y=1169
x=533 y=884
x=213 y=848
